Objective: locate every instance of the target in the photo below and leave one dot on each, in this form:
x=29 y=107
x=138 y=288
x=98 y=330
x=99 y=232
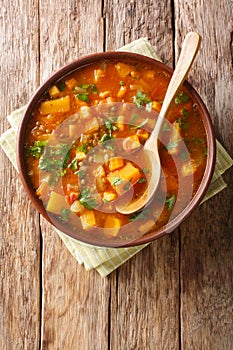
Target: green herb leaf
x=122 y=83
x=81 y=174
x=183 y=155
x=139 y=216
x=141 y=180
x=82 y=148
x=105 y=137
x=83 y=97
x=170 y=202
x=181 y=98
x=61 y=86
x=37 y=149
x=133 y=119
x=127 y=186
x=140 y=125
x=141 y=99
x=86 y=200
x=145 y=170
x=64 y=214
x=171 y=145
x=116 y=181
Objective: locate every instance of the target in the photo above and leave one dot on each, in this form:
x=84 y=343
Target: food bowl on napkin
x=79 y=144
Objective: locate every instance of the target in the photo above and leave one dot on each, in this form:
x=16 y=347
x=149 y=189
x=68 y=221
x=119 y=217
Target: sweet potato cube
x=54 y=106
x=109 y=196
x=116 y=163
x=54 y=92
x=122 y=179
x=156 y=106
x=129 y=173
x=112 y=226
x=71 y=83
x=88 y=219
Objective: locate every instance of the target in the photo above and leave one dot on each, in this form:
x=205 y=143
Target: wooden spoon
x=189 y=50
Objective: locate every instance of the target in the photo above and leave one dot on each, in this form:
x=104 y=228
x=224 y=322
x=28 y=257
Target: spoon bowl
x=188 y=53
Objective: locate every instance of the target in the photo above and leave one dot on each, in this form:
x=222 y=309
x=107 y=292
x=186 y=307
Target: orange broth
x=84 y=149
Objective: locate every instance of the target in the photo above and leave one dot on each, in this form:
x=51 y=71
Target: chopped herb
x=55 y=158
x=133 y=119
x=181 y=98
x=141 y=99
x=37 y=149
x=89 y=87
x=64 y=214
x=83 y=97
x=116 y=181
x=184 y=112
x=140 y=125
x=183 y=155
x=141 y=180
x=122 y=83
x=166 y=127
x=105 y=137
x=86 y=200
x=74 y=164
x=61 y=86
x=81 y=174
x=127 y=186
x=110 y=127
x=170 y=202
x=82 y=148
x=171 y=145
x=145 y=170
x=142 y=215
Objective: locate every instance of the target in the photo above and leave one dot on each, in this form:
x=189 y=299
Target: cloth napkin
x=106 y=260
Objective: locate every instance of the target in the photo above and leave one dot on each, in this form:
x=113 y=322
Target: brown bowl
x=69 y=68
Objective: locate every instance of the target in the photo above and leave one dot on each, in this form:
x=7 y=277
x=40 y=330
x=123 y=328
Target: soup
x=84 y=143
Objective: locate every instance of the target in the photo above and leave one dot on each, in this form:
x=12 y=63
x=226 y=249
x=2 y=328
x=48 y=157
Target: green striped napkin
x=106 y=260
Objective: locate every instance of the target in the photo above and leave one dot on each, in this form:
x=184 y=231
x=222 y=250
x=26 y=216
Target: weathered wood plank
x=20 y=236
x=74 y=302
x=145 y=291
x=207 y=243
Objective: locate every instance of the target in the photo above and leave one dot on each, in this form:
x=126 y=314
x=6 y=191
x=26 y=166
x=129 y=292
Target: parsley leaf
x=86 y=200
x=82 y=148
x=142 y=215
x=116 y=181
x=170 y=202
x=181 y=98
x=37 y=149
x=83 y=97
x=64 y=214
x=141 y=99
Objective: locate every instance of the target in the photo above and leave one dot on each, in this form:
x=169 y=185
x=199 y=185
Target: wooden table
x=176 y=293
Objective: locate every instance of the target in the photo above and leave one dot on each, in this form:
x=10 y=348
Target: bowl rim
x=68 y=69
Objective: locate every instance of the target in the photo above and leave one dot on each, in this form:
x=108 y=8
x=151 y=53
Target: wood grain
x=207 y=243
x=20 y=235
x=176 y=293
x=74 y=303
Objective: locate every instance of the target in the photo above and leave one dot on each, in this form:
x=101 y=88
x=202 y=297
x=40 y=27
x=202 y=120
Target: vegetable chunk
x=88 y=219
x=56 y=203
x=54 y=106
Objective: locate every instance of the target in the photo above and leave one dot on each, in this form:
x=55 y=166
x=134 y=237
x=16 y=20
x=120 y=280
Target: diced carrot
x=112 y=225
x=88 y=219
x=54 y=106
x=116 y=163
x=71 y=83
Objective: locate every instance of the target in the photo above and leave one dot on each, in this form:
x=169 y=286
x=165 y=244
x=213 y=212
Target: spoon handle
x=189 y=50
